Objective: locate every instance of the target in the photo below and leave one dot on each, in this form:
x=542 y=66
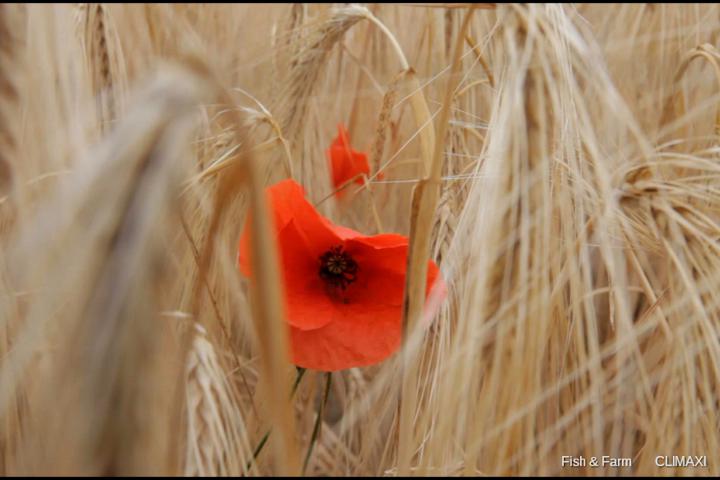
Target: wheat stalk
x=307 y=65
x=9 y=109
x=113 y=336
x=217 y=442
x=98 y=51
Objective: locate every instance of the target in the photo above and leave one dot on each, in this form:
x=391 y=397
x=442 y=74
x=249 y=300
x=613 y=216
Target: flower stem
x=318 y=422
x=263 y=441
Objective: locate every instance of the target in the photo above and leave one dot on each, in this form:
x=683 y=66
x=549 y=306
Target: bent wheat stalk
x=112 y=347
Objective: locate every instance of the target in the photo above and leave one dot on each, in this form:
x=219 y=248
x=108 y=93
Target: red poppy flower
x=343 y=290
x=345 y=162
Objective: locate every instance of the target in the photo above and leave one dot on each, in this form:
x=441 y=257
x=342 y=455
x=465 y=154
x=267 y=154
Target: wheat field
x=560 y=163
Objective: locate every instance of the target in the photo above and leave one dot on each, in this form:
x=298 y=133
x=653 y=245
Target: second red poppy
x=346 y=164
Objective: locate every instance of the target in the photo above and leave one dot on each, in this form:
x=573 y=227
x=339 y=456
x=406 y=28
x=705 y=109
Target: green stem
x=263 y=441
x=318 y=422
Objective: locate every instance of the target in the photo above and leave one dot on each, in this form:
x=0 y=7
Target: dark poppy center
x=338 y=268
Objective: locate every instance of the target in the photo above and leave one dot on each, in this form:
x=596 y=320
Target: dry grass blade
x=472 y=44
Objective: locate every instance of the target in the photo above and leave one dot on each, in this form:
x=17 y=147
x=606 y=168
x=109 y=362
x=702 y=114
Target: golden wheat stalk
x=307 y=65
x=217 y=442
x=98 y=51
x=425 y=198
x=111 y=337
x=9 y=109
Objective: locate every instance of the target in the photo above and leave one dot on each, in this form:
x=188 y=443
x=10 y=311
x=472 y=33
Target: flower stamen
x=338 y=268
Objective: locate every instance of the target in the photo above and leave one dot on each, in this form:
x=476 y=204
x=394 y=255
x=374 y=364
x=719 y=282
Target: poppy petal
x=383 y=240
x=363 y=333
x=288 y=202
x=435 y=280
x=343 y=233
x=384 y=258
x=360 y=166
x=387 y=252
x=341 y=171
x=366 y=338
x=346 y=164
x=343 y=137
x=307 y=304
